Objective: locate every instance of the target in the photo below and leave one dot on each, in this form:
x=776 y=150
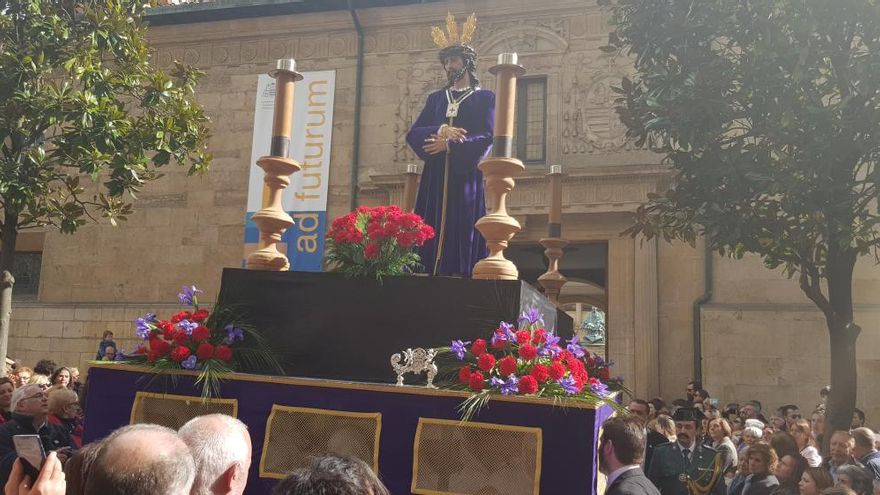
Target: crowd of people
x=693 y=447
x=209 y=455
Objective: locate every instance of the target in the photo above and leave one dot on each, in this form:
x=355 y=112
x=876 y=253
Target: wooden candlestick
x=552 y=281
x=272 y=220
x=410 y=186
x=499 y=170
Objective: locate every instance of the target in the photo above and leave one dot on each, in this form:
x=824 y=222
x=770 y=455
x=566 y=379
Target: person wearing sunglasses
x=30 y=409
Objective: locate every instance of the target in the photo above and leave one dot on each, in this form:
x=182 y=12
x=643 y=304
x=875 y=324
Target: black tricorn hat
x=688 y=414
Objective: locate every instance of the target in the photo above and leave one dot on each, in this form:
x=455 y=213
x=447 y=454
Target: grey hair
x=22 y=393
x=215 y=449
x=754 y=430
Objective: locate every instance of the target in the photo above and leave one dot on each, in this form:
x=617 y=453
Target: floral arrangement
x=529 y=361
x=377 y=241
x=198 y=340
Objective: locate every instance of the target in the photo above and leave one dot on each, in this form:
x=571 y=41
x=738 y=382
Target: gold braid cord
x=694 y=486
x=451 y=36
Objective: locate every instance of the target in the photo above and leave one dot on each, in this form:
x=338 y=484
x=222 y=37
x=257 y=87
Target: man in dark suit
x=686 y=467
x=639 y=408
x=621 y=450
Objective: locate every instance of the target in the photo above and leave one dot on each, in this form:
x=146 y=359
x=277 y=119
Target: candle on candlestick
x=410 y=186
x=499 y=170
x=552 y=280
x=272 y=220
x=554 y=228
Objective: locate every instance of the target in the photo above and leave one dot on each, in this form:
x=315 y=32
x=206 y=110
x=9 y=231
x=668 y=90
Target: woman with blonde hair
x=762 y=465
x=719 y=431
x=666 y=427
x=41 y=380
x=803 y=436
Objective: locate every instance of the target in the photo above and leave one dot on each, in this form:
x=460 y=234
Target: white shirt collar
x=617 y=472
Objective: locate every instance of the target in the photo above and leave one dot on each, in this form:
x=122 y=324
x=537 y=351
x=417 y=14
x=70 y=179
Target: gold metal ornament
x=451 y=36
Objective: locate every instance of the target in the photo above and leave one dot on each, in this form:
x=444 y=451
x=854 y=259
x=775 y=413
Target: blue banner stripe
x=305 y=239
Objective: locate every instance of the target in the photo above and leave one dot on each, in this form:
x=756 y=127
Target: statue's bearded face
x=455 y=68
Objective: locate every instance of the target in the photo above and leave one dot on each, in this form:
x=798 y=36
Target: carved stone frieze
x=256 y=50
x=589 y=122
x=415 y=84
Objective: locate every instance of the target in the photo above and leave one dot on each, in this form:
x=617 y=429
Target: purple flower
x=188 y=295
x=233 y=333
x=121 y=355
x=550 y=347
x=189 y=363
x=599 y=388
x=459 y=348
x=598 y=361
x=507 y=328
x=568 y=384
x=143 y=326
x=496 y=382
x=575 y=348
x=187 y=326
x=531 y=316
x=510 y=386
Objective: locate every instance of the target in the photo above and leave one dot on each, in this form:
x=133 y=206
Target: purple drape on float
x=569 y=435
x=463 y=245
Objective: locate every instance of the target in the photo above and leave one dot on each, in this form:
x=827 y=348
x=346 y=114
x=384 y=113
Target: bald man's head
x=221 y=447
x=142 y=460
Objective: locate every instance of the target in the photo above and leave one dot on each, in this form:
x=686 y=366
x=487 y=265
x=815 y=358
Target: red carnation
x=183 y=315
x=180 y=353
x=486 y=362
x=476 y=381
x=201 y=333
x=540 y=373
x=181 y=337
x=604 y=373
x=200 y=315
x=464 y=374
x=159 y=347
x=528 y=352
x=523 y=337
x=539 y=337
x=204 y=351
x=223 y=353
x=478 y=347
x=557 y=370
x=507 y=366
x=565 y=355
x=371 y=252
x=528 y=385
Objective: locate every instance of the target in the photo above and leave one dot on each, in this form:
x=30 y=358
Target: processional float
x=338 y=392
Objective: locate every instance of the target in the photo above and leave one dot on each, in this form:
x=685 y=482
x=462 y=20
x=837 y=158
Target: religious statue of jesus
x=452 y=134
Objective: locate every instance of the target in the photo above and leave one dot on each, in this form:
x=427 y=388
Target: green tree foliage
x=768 y=112
x=80 y=98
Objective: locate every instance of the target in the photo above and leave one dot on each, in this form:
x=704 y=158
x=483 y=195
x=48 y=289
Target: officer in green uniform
x=685 y=467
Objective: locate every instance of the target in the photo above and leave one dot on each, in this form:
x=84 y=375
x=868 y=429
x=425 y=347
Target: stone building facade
x=760 y=337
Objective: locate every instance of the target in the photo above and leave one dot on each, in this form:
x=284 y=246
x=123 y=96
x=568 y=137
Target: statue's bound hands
x=435 y=145
x=452 y=133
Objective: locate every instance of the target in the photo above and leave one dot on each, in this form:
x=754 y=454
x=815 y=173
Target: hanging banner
x=306 y=198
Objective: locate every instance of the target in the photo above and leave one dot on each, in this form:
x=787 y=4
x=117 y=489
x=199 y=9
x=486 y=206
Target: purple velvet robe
x=463 y=245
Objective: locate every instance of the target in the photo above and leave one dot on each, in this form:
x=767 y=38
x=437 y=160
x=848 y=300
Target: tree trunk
x=843 y=333
x=844 y=381
x=7 y=281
